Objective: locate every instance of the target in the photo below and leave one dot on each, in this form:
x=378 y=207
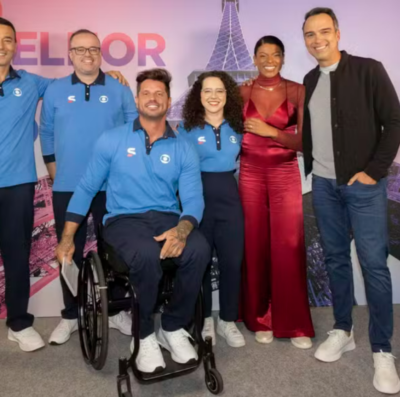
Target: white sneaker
x=209 y=330
x=337 y=343
x=28 y=339
x=122 y=322
x=264 y=337
x=63 y=331
x=386 y=379
x=178 y=344
x=229 y=331
x=302 y=342
x=150 y=357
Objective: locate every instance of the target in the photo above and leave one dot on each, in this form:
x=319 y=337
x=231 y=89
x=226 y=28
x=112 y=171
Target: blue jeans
x=362 y=210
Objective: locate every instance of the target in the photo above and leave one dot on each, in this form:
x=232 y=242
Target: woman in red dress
x=274 y=294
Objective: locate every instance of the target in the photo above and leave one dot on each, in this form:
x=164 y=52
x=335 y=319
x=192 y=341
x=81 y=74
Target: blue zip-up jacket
x=218 y=148
x=141 y=177
x=19 y=96
x=74 y=115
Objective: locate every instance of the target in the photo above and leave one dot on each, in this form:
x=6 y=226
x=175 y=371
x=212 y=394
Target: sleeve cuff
x=76 y=218
x=191 y=219
x=374 y=173
x=51 y=158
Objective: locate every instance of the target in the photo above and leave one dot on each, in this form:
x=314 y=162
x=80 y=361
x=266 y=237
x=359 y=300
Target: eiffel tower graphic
x=230 y=54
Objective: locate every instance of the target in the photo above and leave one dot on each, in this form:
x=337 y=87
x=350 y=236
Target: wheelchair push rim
x=93 y=311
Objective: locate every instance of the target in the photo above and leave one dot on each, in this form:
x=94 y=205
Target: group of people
x=119 y=159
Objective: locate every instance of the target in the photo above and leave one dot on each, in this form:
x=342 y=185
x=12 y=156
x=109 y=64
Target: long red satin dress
x=274 y=282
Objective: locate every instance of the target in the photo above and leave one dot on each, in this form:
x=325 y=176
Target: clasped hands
x=259 y=127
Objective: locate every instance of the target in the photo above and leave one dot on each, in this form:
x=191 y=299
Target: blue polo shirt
x=141 y=176
x=218 y=148
x=19 y=96
x=74 y=115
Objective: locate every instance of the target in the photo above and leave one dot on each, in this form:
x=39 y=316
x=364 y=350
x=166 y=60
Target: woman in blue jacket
x=213 y=122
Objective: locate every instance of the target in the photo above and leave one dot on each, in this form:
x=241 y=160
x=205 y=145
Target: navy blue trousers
x=223 y=227
x=98 y=210
x=16 y=224
x=132 y=236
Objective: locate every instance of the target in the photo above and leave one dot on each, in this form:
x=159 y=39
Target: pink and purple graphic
x=189 y=37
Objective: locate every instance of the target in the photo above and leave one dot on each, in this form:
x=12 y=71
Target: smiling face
x=8 y=45
x=269 y=60
x=152 y=100
x=322 y=39
x=213 y=95
x=87 y=64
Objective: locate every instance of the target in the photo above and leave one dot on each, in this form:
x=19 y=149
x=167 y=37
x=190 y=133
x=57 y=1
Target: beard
x=153 y=116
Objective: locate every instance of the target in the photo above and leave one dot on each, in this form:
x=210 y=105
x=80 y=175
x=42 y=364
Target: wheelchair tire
x=93 y=311
x=214 y=381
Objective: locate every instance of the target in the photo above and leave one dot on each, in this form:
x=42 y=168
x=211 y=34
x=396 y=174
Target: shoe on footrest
x=178 y=344
x=150 y=358
x=122 y=322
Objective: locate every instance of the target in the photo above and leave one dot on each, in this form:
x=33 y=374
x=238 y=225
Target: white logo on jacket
x=165 y=159
x=71 y=99
x=131 y=151
x=201 y=140
x=17 y=92
x=233 y=139
x=103 y=99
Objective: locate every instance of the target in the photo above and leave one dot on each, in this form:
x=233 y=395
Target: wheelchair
x=97 y=272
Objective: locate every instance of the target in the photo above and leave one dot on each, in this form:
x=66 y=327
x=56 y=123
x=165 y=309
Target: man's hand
x=118 y=76
x=65 y=249
x=258 y=127
x=363 y=178
x=175 y=240
x=51 y=168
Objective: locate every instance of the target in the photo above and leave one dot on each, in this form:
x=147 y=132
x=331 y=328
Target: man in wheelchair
x=145 y=163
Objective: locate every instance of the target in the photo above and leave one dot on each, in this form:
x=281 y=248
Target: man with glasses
x=76 y=110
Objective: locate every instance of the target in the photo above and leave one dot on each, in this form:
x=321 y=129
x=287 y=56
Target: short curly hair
x=194 y=112
x=156 y=74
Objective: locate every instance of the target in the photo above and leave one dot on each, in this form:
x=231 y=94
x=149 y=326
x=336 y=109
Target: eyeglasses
x=218 y=92
x=83 y=50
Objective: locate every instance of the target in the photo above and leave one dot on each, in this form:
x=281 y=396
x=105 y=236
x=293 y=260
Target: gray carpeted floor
x=276 y=370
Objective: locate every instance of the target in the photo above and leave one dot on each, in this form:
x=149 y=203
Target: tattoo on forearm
x=183 y=229
x=67 y=241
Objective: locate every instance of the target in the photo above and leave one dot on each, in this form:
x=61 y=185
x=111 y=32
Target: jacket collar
x=100 y=80
x=169 y=132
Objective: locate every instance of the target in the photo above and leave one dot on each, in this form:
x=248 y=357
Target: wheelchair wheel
x=93 y=311
x=214 y=381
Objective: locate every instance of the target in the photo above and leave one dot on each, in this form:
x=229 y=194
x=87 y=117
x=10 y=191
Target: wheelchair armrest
x=168 y=266
x=109 y=254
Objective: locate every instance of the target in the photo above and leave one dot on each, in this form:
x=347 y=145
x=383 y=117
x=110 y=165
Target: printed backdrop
x=188 y=37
